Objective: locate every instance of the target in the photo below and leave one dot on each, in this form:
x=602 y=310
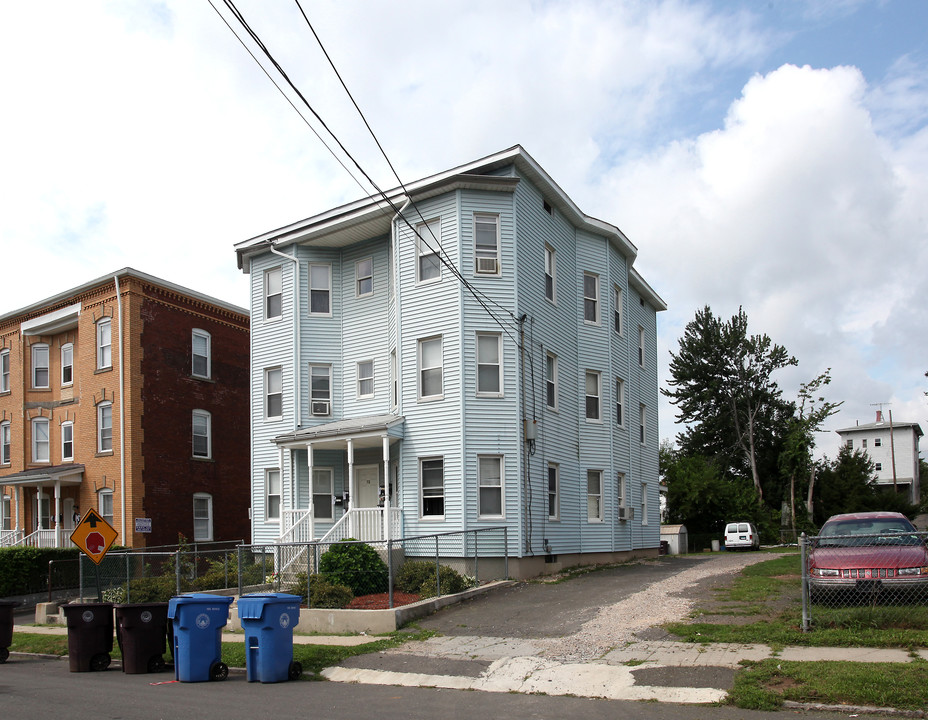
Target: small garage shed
x=675 y=537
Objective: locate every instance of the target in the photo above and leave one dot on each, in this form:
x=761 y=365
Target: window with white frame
x=554 y=500
x=486 y=244
x=617 y=309
x=863 y=443
x=43 y=510
x=430 y=368
x=322 y=493
x=320 y=389
x=5 y=437
x=67 y=364
x=320 y=289
x=272 y=494
x=620 y=496
x=67 y=441
x=878 y=466
x=273 y=393
x=620 y=402
x=594 y=495
x=105 y=427
x=273 y=293
x=590 y=298
x=490 y=481
x=593 y=395
x=877 y=442
x=550 y=265
x=4 y=371
x=644 y=503
x=428 y=242
x=641 y=346
x=6 y=513
x=202 y=517
x=40 y=441
x=432 y=478
x=366 y=379
x=202 y=434
x=364 y=277
x=642 y=423
x=201 y=354
x=40 y=366
x=551 y=381
x=850 y=444
x=105 y=505
x=489 y=364
x=104 y=344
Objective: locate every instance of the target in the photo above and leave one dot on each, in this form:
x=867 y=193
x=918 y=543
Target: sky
x=765 y=155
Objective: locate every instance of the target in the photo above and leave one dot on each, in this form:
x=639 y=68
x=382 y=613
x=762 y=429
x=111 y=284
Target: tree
x=700 y=498
x=722 y=383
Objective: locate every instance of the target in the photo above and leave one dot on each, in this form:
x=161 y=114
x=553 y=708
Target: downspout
x=122 y=419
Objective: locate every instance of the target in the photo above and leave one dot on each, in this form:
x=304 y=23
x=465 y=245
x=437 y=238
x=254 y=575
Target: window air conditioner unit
x=486 y=265
x=320 y=407
x=623 y=513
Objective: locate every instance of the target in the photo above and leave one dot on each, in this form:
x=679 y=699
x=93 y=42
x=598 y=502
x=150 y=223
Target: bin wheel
x=100 y=661
x=156 y=664
x=296 y=669
x=218 y=671
x=4 y=654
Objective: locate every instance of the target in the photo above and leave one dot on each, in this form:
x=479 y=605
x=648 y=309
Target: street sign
x=94 y=536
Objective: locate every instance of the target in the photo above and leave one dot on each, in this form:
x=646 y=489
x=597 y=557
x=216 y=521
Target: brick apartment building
x=130 y=395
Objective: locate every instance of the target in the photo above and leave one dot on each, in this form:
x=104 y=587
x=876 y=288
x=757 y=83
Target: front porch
x=45 y=501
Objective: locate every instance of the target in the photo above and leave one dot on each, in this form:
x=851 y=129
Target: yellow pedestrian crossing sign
x=94 y=536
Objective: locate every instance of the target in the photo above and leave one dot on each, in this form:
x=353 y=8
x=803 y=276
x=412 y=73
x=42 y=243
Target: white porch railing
x=44 y=539
x=9 y=538
x=365 y=524
x=297 y=526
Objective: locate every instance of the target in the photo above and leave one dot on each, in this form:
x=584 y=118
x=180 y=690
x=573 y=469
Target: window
x=863 y=443
x=549 y=273
x=364 y=275
x=644 y=503
x=200 y=351
x=490 y=480
x=617 y=309
x=489 y=367
x=620 y=493
x=273 y=393
x=877 y=442
x=320 y=389
x=486 y=244
x=202 y=441
x=104 y=344
x=40 y=447
x=105 y=427
x=590 y=298
x=395 y=397
x=642 y=422
x=878 y=466
x=272 y=494
x=67 y=441
x=5 y=435
x=850 y=444
x=554 y=503
x=427 y=244
x=6 y=513
x=594 y=495
x=620 y=402
x=641 y=346
x=366 y=379
x=432 y=474
x=5 y=371
x=67 y=364
x=320 y=286
x=105 y=505
x=202 y=517
x=40 y=366
x=551 y=380
x=430 y=368
x=592 y=395
x=273 y=293
x=322 y=493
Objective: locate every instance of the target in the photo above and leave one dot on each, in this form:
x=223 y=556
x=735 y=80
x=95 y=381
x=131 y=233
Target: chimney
x=879 y=416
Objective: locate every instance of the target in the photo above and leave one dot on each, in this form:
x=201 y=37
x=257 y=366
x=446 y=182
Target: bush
x=413 y=573
x=24 y=570
x=324 y=593
x=450 y=581
x=356 y=565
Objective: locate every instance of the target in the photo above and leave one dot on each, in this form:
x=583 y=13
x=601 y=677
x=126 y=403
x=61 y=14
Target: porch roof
x=366 y=431
x=69 y=474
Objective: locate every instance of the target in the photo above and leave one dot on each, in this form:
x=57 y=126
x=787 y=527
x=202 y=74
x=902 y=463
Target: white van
x=741 y=536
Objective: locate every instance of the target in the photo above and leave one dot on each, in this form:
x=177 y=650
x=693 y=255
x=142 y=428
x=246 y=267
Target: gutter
x=122 y=418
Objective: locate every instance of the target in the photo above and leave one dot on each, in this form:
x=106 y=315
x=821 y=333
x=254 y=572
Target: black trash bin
x=90 y=635
x=6 y=627
x=141 y=631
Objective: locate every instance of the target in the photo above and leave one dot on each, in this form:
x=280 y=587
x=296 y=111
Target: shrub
x=356 y=565
x=449 y=580
x=323 y=592
x=24 y=570
x=413 y=573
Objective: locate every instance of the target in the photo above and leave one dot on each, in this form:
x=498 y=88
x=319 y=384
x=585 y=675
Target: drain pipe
x=122 y=419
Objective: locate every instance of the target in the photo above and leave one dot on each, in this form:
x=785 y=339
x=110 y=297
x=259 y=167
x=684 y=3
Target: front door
x=367 y=482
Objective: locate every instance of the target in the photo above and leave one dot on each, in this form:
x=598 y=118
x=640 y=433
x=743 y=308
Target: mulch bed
x=381 y=601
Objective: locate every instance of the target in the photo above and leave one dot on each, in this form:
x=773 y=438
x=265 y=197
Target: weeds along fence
x=878 y=580
x=424 y=565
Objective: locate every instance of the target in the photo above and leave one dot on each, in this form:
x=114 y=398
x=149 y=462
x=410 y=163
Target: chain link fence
x=879 y=579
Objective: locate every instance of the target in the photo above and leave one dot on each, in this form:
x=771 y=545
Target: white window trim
x=70 y=429
x=422 y=515
x=6 y=448
x=36 y=422
x=596 y=518
x=329 y=289
x=203 y=335
x=267 y=295
x=37 y=349
x=643 y=424
x=553 y=381
x=550 y=259
x=205 y=415
x=6 y=512
x=268 y=495
x=499 y=365
x=267 y=394
x=358 y=277
x=209 y=518
x=640 y=346
x=100 y=407
x=557 y=491
x=622 y=499
x=67 y=348
x=361 y=378
x=644 y=503
x=501 y=487
x=620 y=402
x=312 y=398
x=426 y=239
x=4 y=371
x=481 y=253
x=596 y=299
x=104 y=363
x=441 y=347
x=618 y=311
x=108 y=516
x=599 y=396
x=329 y=482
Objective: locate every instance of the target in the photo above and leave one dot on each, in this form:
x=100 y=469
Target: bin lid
x=251 y=607
x=196 y=598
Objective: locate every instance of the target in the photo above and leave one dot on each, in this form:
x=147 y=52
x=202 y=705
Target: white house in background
x=476 y=352
x=893 y=448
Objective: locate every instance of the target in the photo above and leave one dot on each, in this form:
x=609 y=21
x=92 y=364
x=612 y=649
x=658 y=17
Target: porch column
x=309 y=465
x=58 y=517
x=351 y=531
x=386 y=487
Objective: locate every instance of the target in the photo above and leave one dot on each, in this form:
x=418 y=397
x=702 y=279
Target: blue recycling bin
x=267 y=621
x=198 y=622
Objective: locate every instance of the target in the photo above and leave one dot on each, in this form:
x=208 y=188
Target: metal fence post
x=805 y=582
x=240 y=548
x=476 y=554
x=506 y=550
x=177 y=570
x=309 y=569
x=80 y=575
x=390 y=570
x=437 y=571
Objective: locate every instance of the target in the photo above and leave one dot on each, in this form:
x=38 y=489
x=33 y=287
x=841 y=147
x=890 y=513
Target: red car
x=868 y=552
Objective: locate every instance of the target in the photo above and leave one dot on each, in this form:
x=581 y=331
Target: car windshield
x=879 y=531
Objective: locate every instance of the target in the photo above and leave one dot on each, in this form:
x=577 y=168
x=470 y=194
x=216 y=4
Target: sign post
x=94 y=536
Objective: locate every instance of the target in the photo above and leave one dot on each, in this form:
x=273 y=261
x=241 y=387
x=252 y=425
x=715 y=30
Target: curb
x=855 y=709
